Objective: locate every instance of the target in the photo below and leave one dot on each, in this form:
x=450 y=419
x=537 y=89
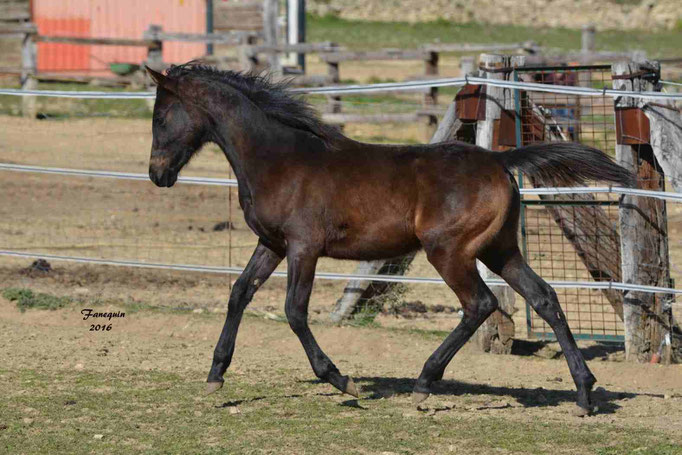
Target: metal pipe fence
x=380 y=87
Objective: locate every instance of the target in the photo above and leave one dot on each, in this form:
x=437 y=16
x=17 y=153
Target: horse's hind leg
x=478 y=302
x=261 y=265
x=514 y=270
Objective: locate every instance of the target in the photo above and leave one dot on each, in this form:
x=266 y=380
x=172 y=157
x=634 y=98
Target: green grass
x=157 y=412
x=26 y=299
x=376 y=35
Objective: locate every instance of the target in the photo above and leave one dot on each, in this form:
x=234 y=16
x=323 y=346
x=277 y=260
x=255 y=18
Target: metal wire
x=381 y=87
x=334 y=276
x=111 y=174
x=665 y=195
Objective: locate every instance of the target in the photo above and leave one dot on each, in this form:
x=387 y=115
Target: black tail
x=565 y=164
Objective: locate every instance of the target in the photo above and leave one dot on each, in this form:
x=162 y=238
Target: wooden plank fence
x=14 y=11
x=330 y=53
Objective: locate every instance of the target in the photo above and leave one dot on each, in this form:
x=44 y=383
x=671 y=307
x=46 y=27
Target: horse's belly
x=366 y=246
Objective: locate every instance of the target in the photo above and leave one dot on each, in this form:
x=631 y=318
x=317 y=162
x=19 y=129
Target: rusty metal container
x=632 y=127
x=470 y=102
x=506 y=135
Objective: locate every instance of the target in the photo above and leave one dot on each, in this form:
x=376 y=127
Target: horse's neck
x=244 y=144
x=237 y=165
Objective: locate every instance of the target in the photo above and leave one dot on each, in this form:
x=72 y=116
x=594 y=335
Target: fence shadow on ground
x=595 y=351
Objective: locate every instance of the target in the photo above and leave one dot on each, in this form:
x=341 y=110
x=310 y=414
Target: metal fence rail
x=332 y=276
x=667 y=195
x=382 y=87
x=676 y=197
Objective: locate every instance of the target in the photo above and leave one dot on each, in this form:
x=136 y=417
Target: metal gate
x=571 y=237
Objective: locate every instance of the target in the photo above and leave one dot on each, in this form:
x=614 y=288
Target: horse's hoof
x=213 y=387
x=419 y=397
x=579 y=411
x=351 y=389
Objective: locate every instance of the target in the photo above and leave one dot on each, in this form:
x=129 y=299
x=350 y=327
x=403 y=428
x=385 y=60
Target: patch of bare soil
x=383 y=362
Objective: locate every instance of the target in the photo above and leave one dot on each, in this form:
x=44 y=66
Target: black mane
x=273 y=98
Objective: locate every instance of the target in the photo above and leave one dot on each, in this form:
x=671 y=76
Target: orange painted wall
x=114 y=19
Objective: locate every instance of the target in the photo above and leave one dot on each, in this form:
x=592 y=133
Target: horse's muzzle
x=163 y=177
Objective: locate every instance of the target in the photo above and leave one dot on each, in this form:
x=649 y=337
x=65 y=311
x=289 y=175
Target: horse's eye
x=160 y=120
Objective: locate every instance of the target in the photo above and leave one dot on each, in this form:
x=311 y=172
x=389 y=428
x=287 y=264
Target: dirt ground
x=52 y=354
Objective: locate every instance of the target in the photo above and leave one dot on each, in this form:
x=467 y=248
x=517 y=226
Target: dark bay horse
x=308 y=191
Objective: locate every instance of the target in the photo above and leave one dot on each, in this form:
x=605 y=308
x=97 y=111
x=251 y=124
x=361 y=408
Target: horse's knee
x=298 y=320
x=238 y=295
x=488 y=304
x=242 y=293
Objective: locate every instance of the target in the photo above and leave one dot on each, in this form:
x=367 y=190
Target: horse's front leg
x=261 y=265
x=301 y=273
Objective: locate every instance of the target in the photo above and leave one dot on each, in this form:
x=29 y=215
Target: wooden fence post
x=666 y=141
x=497 y=332
x=467 y=65
x=248 y=60
x=155 y=49
x=154 y=56
x=587 y=38
x=333 y=101
x=431 y=96
x=430 y=71
x=643 y=221
x=271 y=33
x=28 y=73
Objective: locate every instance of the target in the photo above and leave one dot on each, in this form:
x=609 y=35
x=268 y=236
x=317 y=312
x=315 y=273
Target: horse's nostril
x=162 y=177
x=156 y=175
x=158 y=162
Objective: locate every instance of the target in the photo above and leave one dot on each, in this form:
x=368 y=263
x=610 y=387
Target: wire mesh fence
x=591 y=313
x=572 y=236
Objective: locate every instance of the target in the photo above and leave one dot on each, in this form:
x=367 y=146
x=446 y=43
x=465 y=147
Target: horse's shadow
x=383 y=387
x=376 y=387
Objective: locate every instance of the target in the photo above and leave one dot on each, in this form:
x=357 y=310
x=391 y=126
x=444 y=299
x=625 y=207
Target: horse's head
x=178 y=129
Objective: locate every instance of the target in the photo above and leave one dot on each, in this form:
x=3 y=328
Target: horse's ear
x=161 y=80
